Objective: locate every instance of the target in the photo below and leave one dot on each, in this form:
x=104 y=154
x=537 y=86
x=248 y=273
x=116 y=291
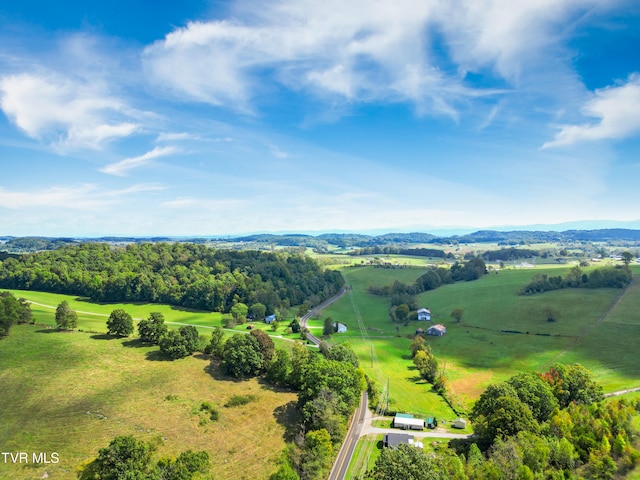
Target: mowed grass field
x=597 y=328
x=72 y=393
x=92 y=316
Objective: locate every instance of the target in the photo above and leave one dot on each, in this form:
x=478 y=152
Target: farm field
x=92 y=316
x=72 y=393
x=596 y=328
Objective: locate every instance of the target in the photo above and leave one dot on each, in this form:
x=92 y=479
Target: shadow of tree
x=156 y=356
x=288 y=416
x=136 y=343
x=104 y=336
x=48 y=330
x=213 y=369
x=202 y=356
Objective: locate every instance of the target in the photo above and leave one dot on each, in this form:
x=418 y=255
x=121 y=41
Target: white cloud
x=278 y=152
x=388 y=50
x=206 y=204
x=618 y=109
x=79 y=197
x=65 y=113
x=120 y=168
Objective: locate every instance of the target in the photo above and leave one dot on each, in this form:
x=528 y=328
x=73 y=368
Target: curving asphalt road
x=303 y=321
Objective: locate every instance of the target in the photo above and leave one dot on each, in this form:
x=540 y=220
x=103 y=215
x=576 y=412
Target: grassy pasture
x=99 y=312
x=596 y=328
x=71 y=393
x=391 y=360
x=92 y=316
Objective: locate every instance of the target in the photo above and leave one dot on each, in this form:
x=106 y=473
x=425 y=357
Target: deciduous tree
x=124 y=458
x=152 y=329
x=242 y=357
x=66 y=319
x=120 y=323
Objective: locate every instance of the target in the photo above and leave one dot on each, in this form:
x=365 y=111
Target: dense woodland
x=180 y=274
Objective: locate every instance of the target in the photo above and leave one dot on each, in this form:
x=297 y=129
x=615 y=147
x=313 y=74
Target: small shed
x=459 y=423
x=437 y=330
x=431 y=422
x=340 y=327
x=394 y=440
x=270 y=319
x=408 y=423
x=424 y=314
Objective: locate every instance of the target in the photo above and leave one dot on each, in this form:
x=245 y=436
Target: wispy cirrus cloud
x=418 y=52
x=77 y=197
x=617 y=107
x=123 y=166
x=66 y=113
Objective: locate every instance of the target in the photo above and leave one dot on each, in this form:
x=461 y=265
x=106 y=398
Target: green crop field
x=72 y=393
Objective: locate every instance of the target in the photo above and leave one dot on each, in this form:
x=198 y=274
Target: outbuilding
x=431 y=422
x=340 y=327
x=270 y=319
x=437 y=330
x=424 y=314
x=407 y=422
x=460 y=423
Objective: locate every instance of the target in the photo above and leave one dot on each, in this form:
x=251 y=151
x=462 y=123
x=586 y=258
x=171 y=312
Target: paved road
x=303 y=321
x=339 y=470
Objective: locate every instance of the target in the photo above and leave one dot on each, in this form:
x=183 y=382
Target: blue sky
x=215 y=118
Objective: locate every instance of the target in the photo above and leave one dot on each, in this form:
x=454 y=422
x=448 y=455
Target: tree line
x=187 y=275
x=606 y=277
x=394 y=250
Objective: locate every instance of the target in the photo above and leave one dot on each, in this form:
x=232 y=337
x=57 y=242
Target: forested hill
x=344 y=240
x=180 y=274
x=347 y=240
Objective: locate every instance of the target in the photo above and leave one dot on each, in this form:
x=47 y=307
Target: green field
x=62 y=376
x=596 y=328
x=92 y=316
x=72 y=392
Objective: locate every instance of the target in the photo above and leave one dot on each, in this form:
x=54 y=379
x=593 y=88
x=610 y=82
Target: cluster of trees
x=607 y=277
x=329 y=386
x=427 y=364
x=129 y=458
x=536 y=425
x=188 y=275
x=173 y=344
x=12 y=311
x=508 y=254
x=532 y=426
x=395 y=250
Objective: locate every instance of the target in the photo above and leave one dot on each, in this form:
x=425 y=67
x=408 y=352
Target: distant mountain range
x=348 y=240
